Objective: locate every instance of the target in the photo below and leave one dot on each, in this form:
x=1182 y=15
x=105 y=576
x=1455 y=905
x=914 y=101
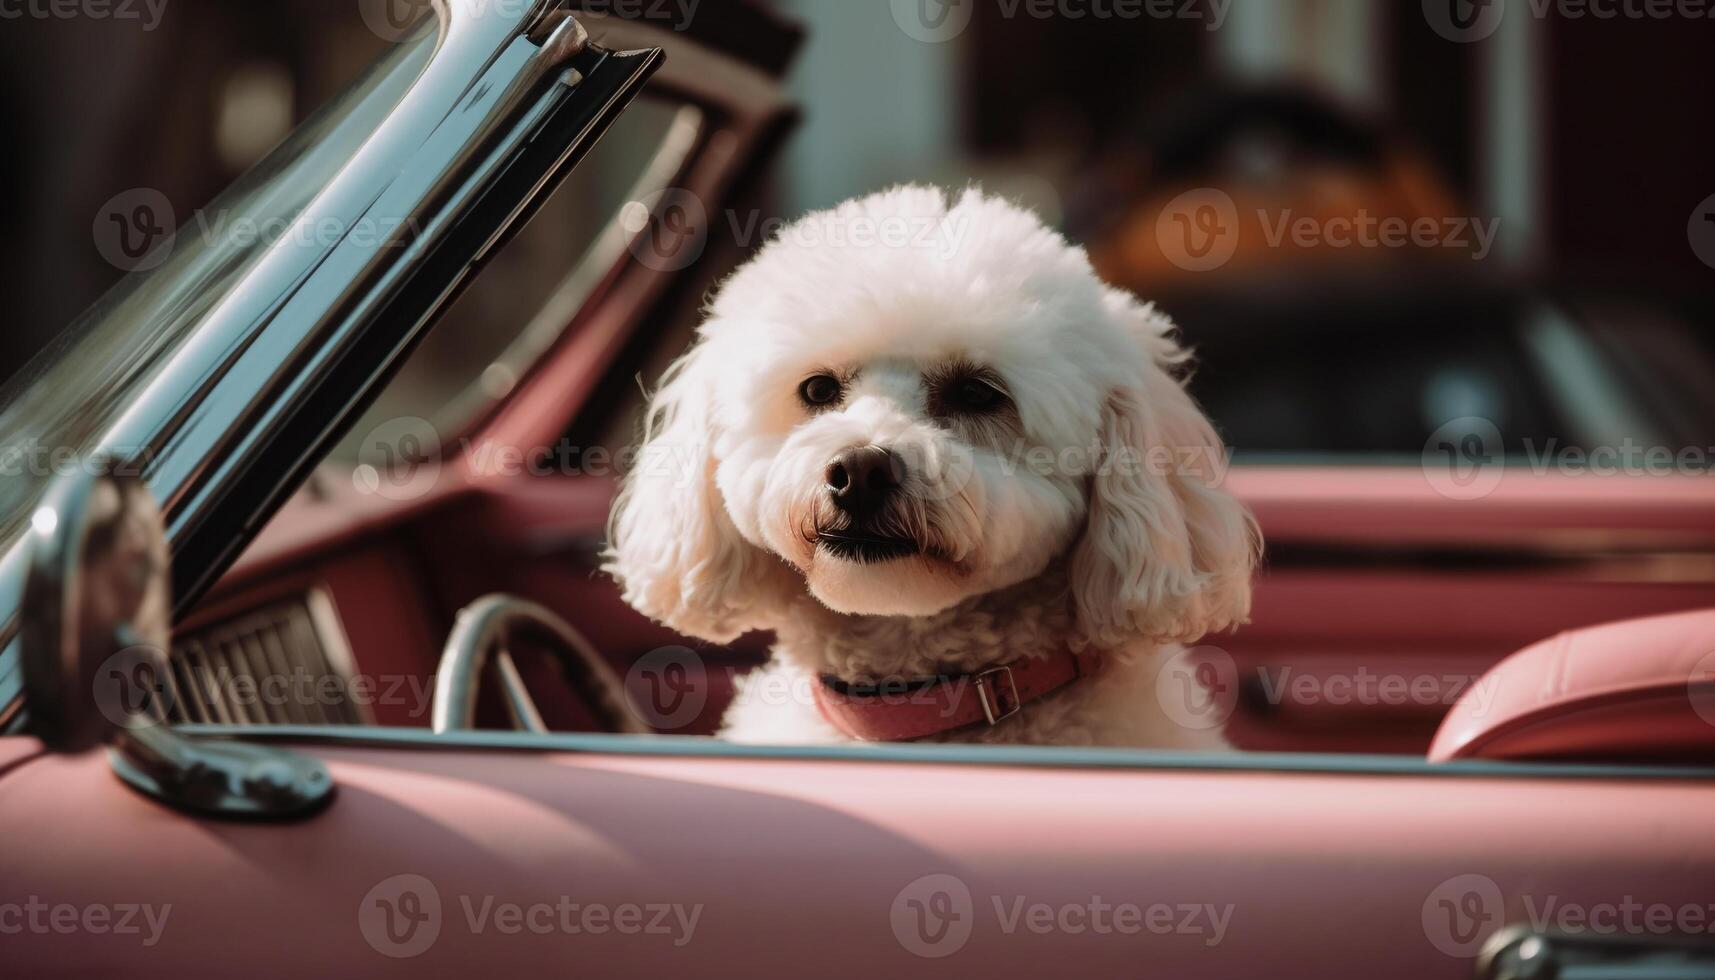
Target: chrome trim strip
x=1037 y=757
x=305 y=304
x=329 y=630
x=302 y=297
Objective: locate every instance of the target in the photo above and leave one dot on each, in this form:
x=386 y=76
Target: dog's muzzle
x=863 y=482
x=864 y=479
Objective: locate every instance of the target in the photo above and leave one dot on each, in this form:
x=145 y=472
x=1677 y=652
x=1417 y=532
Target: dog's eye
x=976 y=395
x=820 y=389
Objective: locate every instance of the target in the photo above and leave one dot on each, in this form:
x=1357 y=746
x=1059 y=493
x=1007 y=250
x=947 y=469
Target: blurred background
x=1370 y=217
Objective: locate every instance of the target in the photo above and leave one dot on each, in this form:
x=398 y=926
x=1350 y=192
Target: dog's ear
x=671 y=544
x=1167 y=553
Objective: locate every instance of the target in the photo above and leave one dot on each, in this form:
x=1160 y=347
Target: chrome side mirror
x=96 y=624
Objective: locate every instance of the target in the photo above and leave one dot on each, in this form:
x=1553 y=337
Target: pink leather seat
x=1640 y=690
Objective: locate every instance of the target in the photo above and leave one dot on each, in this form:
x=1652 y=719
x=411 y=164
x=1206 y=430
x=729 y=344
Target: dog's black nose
x=862 y=478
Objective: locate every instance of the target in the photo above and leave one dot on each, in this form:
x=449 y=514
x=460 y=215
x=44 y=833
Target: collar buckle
x=999 y=702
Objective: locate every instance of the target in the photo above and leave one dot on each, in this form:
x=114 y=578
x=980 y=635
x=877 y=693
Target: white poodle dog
x=956 y=474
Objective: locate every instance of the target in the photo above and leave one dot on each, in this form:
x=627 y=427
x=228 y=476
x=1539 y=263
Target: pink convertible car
x=401 y=728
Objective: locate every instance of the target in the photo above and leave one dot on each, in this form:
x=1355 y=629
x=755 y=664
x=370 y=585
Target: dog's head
x=906 y=402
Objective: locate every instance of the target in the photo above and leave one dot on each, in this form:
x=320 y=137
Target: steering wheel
x=487 y=628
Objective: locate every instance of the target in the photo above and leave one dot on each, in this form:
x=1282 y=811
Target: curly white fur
x=1086 y=511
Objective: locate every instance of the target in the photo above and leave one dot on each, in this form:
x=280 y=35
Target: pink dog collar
x=900 y=711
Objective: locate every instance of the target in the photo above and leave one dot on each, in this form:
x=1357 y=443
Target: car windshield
x=57 y=408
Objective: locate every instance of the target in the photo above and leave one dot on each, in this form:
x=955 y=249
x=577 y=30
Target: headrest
x=1639 y=690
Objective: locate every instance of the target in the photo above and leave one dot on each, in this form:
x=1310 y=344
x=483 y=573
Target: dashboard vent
x=286 y=663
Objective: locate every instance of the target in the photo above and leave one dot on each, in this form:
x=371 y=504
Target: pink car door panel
x=599 y=857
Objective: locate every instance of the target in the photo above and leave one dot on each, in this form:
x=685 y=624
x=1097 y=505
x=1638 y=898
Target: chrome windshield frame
x=509 y=100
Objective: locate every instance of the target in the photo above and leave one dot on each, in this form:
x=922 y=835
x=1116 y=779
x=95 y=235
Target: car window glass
x=525 y=298
x=54 y=408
